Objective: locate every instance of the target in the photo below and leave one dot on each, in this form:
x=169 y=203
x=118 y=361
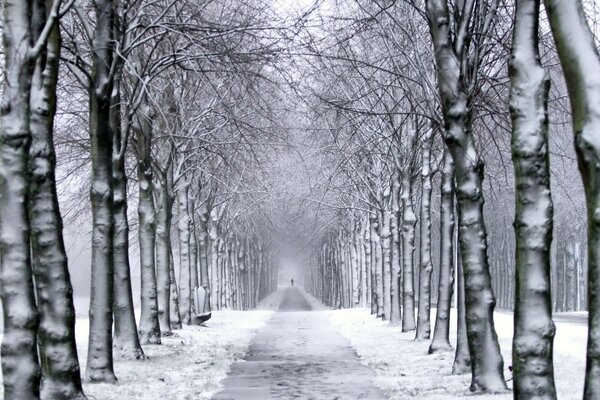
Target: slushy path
x=299 y=355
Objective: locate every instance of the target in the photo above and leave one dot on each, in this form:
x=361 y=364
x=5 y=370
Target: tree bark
x=376 y=263
x=56 y=334
x=175 y=319
x=441 y=333
x=426 y=267
x=395 y=317
x=581 y=65
x=386 y=261
x=164 y=214
x=409 y=220
x=100 y=359
x=462 y=356
x=183 y=227
x=486 y=361
x=125 y=337
x=195 y=282
x=202 y=249
x=534 y=329
x=20 y=367
x=149 y=328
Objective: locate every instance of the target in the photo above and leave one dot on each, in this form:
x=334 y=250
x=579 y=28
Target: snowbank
x=405 y=370
x=189 y=365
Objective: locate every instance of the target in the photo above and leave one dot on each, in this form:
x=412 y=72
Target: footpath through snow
x=299 y=354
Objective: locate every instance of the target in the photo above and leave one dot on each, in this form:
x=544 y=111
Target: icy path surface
x=299 y=354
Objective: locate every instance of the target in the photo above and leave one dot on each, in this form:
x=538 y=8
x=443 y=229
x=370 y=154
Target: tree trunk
x=214 y=283
x=148 y=328
x=195 y=282
x=20 y=367
x=100 y=358
x=175 y=319
x=56 y=334
x=462 y=356
x=125 y=337
x=441 y=333
x=376 y=264
x=395 y=317
x=183 y=227
x=202 y=249
x=409 y=220
x=486 y=361
x=581 y=65
x=164 y=207
x=426 y=267
x=534 y=329
x=386 y=260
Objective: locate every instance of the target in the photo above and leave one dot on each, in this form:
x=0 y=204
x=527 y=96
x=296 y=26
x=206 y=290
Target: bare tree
x=452 y=56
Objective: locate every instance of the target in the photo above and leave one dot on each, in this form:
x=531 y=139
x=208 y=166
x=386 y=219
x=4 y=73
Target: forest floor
x=307 y=345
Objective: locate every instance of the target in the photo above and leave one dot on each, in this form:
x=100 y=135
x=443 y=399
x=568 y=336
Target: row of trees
x=164 y=102
x=412 y=108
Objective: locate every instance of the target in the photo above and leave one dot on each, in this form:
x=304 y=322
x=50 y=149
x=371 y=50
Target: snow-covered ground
x=405 y=370
x=189 y=365
x=192 y=364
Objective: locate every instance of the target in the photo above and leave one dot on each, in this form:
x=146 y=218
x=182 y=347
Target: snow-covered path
x=299 y=354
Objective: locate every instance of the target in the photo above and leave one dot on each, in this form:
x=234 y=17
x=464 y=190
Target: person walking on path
x=292 y=282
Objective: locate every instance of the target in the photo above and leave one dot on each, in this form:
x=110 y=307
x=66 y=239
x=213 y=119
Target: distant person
x=292 y=282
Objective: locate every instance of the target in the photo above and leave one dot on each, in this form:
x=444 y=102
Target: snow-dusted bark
x=376 y=263
x=533 y=369
x=126 y=342
x=203 y=243
x=441 y=332
x=100 y=358
x=386 y=260
x=56 y=333
x=148 y=328
x=174 y=317
x=195 y=282
x=396 y=299
x=164 y=214
x=213 y=239
x=369 y=295
x=462 y=356
x=426 y=265
x=581 y=65
x=486 y=360
x=409 y=221
x=355 y=262
x=60 y=367
x=364 y=265
x=20 y=368
x=183 y=227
